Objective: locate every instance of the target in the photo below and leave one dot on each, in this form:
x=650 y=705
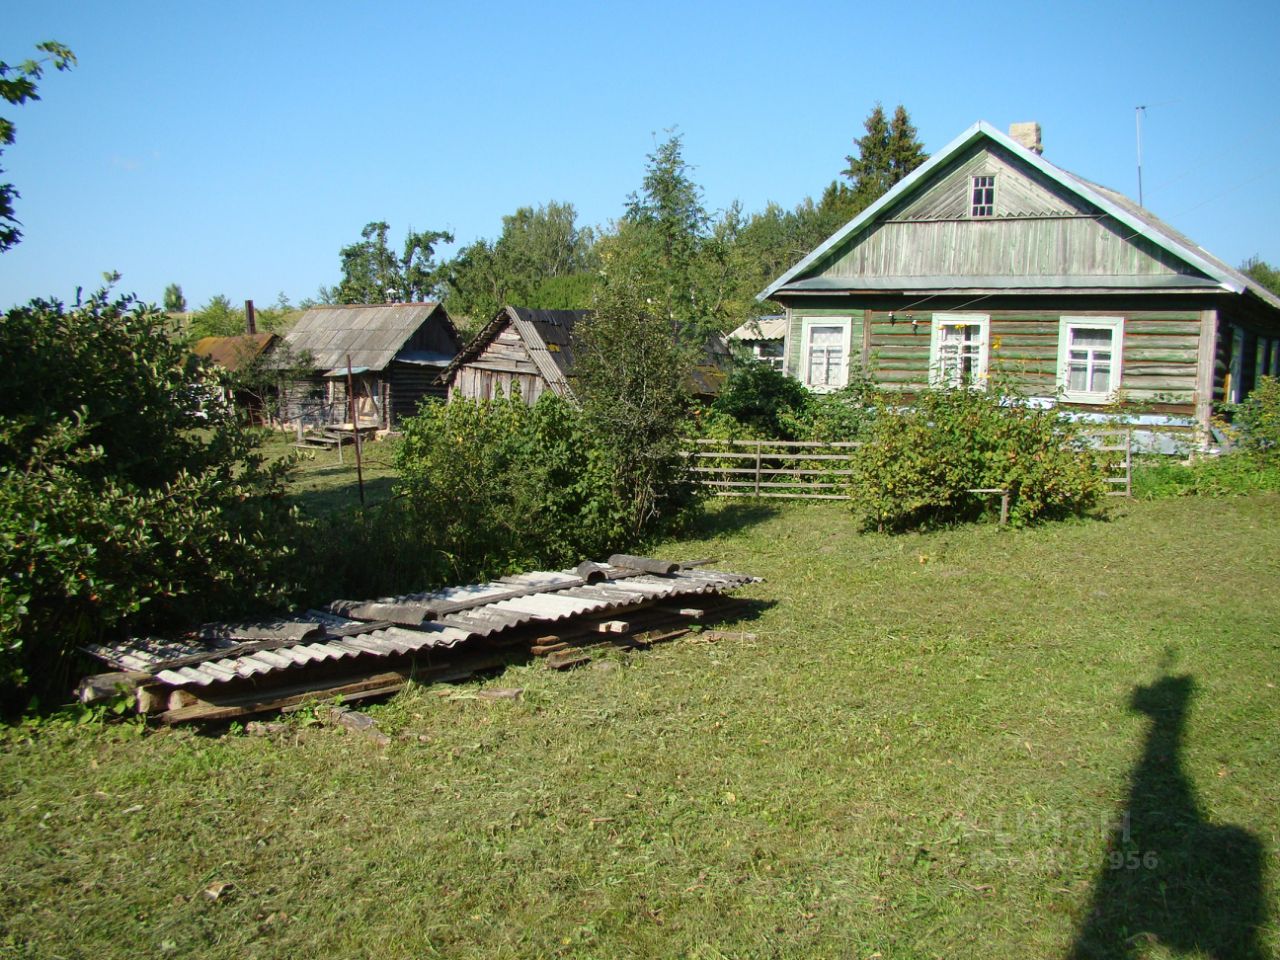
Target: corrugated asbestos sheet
x=223 y=655
x=370 y=334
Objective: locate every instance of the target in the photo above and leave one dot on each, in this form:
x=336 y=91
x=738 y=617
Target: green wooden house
x=988 y=263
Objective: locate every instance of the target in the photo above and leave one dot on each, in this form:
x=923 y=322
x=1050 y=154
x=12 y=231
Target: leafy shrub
x=1257 y=419
x=918 y=464
x=496 y=486
x=126 y=497
x=1231 y=474
x=765 y=400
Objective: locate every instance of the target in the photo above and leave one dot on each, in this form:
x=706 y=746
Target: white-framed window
x=983 y=195
x=1090 y=350
x=958 y=349
x=824 y=352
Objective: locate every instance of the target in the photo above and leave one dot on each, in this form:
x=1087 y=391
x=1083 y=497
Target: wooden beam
x=1205 y=357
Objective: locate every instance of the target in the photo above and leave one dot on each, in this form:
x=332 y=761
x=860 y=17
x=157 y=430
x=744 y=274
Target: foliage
x=373 y=273
x=221 y=318
x=127 y=495
x=1251 y=466
x=1261 y=271
x=17 y=86
x=887 y=152
x=765 y=400
x=1257 y=420
x=1228 y=475
x=542 y=259
x=498 y=486
x=631 y=376
x=174 y=301
x=919 y=464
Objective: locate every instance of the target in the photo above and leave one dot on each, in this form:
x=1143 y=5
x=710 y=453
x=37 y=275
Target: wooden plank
x=1203 y=394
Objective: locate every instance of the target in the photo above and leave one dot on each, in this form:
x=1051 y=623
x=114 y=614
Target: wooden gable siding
x=1019 y=193
x=1030 y=248
x=433 y=336
x=1037 y=232
x=503 y=365
x=1159 y=363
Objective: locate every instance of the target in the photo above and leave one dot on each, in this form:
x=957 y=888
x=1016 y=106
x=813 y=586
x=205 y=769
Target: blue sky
x=235 y=147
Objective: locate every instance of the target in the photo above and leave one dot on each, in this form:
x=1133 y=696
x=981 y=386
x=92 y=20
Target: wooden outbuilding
x=236 y=354
x=531 y=351
x=989 y=263
x=396 y=353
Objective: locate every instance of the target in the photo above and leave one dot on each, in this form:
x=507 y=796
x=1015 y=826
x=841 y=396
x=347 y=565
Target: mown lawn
x=921 y=753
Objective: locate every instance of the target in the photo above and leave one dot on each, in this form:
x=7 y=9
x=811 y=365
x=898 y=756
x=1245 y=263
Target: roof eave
x=1055 y=173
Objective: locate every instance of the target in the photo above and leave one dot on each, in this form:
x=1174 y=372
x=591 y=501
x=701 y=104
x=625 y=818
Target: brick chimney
x=250 y=318
x=1028 y=135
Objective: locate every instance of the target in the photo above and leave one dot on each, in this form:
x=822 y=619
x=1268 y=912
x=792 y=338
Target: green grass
x=920 y=754
x=323 y=486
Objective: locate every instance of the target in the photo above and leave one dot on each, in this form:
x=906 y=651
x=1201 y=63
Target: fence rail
x=813 y=470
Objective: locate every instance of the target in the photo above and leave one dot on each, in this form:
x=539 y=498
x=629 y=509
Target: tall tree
x=17 y=86
x=665 y=225
x=886 y=153
x=1261 y=271
x=174 y=301
x=373 y=273
x=541 y=259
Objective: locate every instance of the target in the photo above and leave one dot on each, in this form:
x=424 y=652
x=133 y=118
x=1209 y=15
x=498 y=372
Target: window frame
x=974 y=206
x=1065 y=325
x=806 y=326
x=980 y=320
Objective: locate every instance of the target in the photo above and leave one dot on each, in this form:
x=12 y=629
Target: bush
x=1257 y=420
x=767 y=401
x=497 y=486
x=127 y=499
x=1232 y=474
x=918 y=464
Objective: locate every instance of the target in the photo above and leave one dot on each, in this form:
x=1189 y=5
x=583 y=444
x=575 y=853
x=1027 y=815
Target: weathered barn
x=989 y=262
x=764 y=338
x=396 y=352
x=531 y=351
x=519 y=349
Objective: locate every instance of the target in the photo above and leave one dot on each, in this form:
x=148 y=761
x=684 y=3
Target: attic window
x=984 y=196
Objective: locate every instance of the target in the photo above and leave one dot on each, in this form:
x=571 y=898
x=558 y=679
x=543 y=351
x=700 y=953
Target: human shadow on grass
x=1169 y=876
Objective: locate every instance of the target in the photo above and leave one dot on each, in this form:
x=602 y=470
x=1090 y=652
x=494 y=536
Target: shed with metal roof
x=395 y=353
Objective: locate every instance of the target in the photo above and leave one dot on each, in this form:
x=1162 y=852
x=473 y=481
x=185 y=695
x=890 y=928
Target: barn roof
x=370 y=334
x=1141 y=221
x=548 y=335
x=234 y=352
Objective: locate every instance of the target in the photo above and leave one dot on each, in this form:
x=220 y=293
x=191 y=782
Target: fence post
x=759 y=443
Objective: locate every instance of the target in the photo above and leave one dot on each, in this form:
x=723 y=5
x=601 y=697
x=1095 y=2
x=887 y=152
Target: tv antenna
x=1137 y=117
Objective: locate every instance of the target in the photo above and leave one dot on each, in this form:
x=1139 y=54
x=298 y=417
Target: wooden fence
x=812 y=470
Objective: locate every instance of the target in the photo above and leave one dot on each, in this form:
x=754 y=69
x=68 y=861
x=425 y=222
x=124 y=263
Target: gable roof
x=371 y=334
x=234 y=352
x=548 y=336
x=1137 y=219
